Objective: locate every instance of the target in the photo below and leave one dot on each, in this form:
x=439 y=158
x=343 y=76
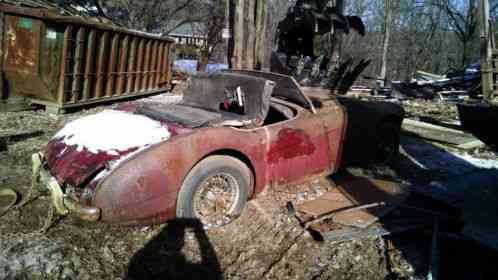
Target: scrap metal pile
x=453 y=86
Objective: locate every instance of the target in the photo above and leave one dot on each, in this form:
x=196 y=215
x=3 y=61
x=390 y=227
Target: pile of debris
x=452 y=87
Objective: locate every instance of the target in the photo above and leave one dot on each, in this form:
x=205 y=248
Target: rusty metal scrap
x=355 y=202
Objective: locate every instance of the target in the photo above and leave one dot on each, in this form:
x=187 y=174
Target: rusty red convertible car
x=232 y=135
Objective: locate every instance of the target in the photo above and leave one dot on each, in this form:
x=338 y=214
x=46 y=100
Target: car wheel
x=387 y=144
x=215 y=191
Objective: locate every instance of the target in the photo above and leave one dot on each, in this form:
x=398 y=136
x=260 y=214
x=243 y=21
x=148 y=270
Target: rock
x=37 y=258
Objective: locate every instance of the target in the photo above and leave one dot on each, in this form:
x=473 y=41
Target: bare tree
x=154 y=15
x=388 y=11
x=336 y=38
x=214 y=24
x=464 y=23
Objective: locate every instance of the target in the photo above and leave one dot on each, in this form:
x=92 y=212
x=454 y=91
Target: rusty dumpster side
x=65 y=61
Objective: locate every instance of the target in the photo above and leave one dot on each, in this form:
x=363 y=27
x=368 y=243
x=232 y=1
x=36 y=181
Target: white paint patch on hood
x=113 y=131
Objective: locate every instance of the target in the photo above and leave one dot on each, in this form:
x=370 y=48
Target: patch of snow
x=113 y=132
x=164 y=98
x=429 y=157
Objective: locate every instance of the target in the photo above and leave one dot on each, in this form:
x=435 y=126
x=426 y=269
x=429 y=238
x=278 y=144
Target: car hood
x=94 y=144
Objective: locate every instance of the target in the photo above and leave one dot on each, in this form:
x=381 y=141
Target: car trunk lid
x=87 y=146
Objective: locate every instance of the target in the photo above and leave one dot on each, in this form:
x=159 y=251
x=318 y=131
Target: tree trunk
x=250 y=37
x=486 y=50
x=336 y=40
x=385 y=45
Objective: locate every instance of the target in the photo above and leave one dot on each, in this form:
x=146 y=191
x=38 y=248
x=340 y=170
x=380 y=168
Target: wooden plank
x=121 y=80
x=112 y=68
x=101 y=65
x=140 y=65
x=146 y=71
x=436 y=133
x=132 y=66
x=79 y=57
x=471 y=145
x=90 y=64
x=63 y=83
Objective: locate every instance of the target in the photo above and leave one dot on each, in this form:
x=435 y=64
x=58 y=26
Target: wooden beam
x=436 y=133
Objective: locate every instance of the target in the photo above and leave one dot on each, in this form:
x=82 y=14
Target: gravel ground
x=264 y=243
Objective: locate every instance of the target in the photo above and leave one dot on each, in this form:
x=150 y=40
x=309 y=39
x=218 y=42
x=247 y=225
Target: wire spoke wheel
x=216 y=199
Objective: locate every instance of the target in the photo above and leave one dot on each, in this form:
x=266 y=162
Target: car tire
x=388 y=141
x=215 y=178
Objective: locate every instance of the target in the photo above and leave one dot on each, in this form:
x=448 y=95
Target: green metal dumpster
x=66 y=61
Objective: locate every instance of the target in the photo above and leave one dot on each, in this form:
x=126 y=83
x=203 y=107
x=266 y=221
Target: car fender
x=144 y=188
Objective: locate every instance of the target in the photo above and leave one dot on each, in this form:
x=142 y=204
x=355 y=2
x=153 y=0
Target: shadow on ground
x=162 y=257
x=458 y=181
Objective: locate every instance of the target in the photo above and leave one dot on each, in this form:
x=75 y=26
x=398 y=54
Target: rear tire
x=388 y=141
x=215 y=191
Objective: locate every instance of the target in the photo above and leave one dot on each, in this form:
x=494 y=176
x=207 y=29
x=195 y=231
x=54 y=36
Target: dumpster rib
x=101 y=65
x=140 y=65
x=90 y=56
x=79 y=60
x=145 y=80
x=63 y=84
x=111 y=70
x=159 y=64
x=123 y=54
x=130 y=77
x=153 y=66
x=165 y=72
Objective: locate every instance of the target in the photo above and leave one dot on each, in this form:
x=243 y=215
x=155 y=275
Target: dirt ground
x=264 y=243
